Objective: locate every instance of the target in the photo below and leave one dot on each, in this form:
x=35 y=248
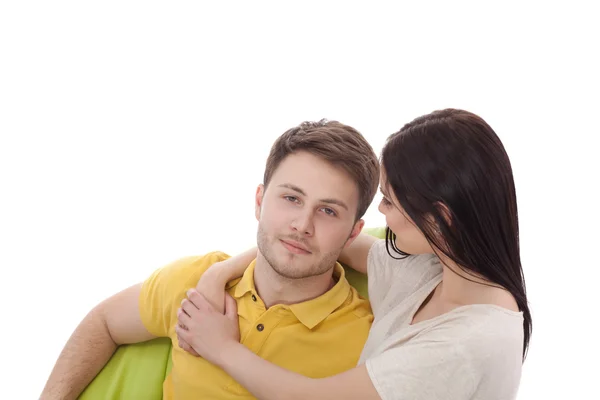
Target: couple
x=450 y=315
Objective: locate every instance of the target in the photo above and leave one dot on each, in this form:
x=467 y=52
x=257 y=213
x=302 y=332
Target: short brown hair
x=336 y=143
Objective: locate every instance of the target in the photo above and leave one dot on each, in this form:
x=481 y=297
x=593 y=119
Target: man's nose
x=303 y=223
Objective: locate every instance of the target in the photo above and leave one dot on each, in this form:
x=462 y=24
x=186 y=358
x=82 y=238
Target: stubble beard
x=297 y=268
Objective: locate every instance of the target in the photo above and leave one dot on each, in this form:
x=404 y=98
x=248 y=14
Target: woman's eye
x=385 y=201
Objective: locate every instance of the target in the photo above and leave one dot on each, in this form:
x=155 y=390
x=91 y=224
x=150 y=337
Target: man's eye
x=329 y=211
x=291 y=198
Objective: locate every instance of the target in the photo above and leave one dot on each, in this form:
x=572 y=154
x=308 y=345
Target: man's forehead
x=315 y=177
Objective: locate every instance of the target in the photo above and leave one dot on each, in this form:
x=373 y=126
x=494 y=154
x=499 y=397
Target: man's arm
x=113 y=322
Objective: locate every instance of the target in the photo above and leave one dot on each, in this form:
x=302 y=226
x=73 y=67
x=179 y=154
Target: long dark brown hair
x=451 y=165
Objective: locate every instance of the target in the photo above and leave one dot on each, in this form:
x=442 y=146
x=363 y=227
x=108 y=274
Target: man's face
x=306 y=216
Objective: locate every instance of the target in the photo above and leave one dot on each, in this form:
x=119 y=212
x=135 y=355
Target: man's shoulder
x=188 y=269
x=353 y=307
x=357 y=304
x=162 y=292
x=354 y=289
x=353 y=317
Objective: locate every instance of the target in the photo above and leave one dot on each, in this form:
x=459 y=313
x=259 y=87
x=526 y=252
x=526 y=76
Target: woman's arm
x=355 y=255
x=212 y=282
x=216 y=336
x=267 y=381
x=235 y=266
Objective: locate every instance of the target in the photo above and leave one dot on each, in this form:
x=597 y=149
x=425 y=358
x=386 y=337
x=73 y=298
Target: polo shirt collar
x=311 y=312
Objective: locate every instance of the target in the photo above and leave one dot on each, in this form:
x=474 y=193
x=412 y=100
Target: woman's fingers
x=183 y=318
x=199 y=301
x=231 y=307
x=188 y=307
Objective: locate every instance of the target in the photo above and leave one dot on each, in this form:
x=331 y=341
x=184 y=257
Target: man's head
x=319 y=180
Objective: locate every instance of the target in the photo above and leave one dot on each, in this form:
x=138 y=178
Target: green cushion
x=137 y=371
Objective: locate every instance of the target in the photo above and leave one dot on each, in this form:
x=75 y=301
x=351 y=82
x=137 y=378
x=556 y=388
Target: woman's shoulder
x=391 y=273
x=383 y=255
x=393 y=278
x=482 y=330
x=480 y=318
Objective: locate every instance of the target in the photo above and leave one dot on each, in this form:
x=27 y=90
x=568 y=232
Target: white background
x=135 y=133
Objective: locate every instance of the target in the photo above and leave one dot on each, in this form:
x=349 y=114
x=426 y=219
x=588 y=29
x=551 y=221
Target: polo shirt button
x=253 y=298
x=260 y=327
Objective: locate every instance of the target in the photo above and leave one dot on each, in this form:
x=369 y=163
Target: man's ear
x=260 y=192
x=358 y=227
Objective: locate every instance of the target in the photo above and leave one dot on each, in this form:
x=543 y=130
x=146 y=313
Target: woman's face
x=409 y=238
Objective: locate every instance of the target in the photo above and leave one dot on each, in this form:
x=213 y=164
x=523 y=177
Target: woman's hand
x=212 y=286
x=208 y=332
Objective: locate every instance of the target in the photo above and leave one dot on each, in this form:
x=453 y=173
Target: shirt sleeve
x=378 y=272
x=397 y=275
x=386 y=272
x=423 y=370
x=163 y=291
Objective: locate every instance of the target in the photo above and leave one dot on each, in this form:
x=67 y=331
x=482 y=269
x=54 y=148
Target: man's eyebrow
x=329 y=201
x=336 y=202
x=293 y=187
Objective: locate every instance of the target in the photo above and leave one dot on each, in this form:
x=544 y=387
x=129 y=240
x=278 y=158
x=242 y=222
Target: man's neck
x=276 y=289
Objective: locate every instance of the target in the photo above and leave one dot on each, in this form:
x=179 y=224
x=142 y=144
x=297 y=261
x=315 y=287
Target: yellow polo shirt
x=317 y=338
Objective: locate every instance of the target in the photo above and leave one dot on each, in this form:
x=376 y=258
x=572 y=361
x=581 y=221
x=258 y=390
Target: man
x=295 y=307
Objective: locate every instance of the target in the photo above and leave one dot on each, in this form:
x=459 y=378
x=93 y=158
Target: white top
x=471 y=352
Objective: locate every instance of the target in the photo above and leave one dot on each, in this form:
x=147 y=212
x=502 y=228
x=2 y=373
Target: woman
x=446 y=286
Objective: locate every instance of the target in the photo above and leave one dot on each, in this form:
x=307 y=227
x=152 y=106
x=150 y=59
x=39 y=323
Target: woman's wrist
x=230 y=354
x=234 y=267
x=220 y=272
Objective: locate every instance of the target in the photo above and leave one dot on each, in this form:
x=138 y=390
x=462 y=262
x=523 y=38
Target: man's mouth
x=295 y=247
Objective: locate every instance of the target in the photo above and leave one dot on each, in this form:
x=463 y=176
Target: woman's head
x=448 y=188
